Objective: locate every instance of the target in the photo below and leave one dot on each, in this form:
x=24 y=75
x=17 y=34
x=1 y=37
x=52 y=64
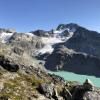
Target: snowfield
x=5 y=37
x=58 y=38
x=49 y=42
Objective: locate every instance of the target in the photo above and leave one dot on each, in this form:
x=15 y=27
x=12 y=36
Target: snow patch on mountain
x=49 y=42
x=46 y=48
x=61 y=32
x=58 y=37
x=5 y=37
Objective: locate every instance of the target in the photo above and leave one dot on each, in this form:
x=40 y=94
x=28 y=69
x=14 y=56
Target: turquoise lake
x=76 y=77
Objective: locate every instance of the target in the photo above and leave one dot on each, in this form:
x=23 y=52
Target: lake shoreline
x=77 y=77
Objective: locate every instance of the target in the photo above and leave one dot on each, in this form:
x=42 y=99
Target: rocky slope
x=29 y=43
x=63 y=58
x=24 y=56
x=85 y=41
x=29 y=83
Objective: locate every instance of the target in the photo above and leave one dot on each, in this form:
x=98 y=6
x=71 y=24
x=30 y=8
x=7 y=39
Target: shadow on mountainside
x=66 y=60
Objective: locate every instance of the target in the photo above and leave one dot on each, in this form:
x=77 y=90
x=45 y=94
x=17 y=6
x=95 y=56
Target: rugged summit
x=85 y=41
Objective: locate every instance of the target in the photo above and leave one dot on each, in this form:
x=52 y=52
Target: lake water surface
x=76 y=77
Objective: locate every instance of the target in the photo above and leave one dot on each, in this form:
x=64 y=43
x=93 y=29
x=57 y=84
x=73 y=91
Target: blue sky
x=27 y=15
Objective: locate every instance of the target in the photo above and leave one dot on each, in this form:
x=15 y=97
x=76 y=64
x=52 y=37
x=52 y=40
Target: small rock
x=47 y=89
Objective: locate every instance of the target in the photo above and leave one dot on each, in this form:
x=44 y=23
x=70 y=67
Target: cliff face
x=85 y=41
x=82 y=39
x=69 y=60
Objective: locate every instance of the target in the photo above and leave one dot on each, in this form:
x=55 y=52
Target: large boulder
x=87 y=91
x=49 y=91
x=88 y=85
x=8 y=64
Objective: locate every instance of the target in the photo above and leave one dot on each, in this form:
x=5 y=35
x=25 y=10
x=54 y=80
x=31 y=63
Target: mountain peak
x=69 y=26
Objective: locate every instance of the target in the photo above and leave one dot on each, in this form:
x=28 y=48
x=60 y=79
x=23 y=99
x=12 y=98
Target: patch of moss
x=10 y=85
x=21 y=86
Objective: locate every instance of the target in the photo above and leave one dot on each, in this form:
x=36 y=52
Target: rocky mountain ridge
x=25 y=58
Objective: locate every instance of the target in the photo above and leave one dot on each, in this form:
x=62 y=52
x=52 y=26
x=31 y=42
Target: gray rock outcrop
x=26 y=42
x=47 y=89
x=8 y=64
